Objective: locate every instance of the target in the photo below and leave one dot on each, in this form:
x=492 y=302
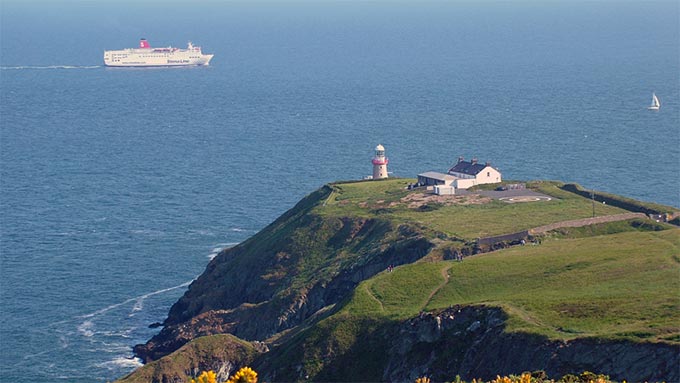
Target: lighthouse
x=379 y=163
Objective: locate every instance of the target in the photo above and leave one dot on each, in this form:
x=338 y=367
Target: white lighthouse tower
x=380 y=163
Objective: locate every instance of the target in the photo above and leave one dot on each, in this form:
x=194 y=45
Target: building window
x=488 y=174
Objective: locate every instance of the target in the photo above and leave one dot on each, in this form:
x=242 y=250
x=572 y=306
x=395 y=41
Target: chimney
x=460 y=159
x=488 y=163
x=474 y=160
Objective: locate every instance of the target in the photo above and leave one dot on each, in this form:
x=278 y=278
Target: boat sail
x=655 y=103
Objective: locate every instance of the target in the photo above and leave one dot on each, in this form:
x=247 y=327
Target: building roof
x=472 y=168
x=437 y=176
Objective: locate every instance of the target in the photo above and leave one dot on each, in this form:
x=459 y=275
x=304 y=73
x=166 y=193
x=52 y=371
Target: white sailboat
x=655 y=103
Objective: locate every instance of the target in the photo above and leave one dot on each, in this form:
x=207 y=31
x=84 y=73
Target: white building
x=435 y=178
x=380 y=163
x=444 y=190
x=472 y=173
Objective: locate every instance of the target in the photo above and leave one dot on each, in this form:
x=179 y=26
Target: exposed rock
x=301 y=266
x=472 y=343
x=223 y=354
x=474 y=326
x=270 y=284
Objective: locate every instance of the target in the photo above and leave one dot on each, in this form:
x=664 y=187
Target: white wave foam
x=219 y=247
x=206 y=232
x=135 y=299
x=37 y=354
x=227 y=244
x=121 y=362
x=20 y=67
x=63 y=342
x=237 y=229
x=139 y=305
x=86 y=328
x=126 y=333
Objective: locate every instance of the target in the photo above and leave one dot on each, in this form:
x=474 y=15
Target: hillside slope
x=286 y=273
x=313 y=285
x=592 y=303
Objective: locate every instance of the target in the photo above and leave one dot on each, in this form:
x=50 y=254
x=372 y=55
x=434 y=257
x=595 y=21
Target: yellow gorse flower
x=500 y=379
x=424 y=379
x=206 y=377
x=244 y=375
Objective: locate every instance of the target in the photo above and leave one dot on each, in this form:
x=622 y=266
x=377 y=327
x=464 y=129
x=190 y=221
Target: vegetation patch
x=366 y=250
x=619 y=201
x=608 y=228
x=205 y=353
x=467 y=217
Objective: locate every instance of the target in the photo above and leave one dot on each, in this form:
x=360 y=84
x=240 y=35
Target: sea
x=117 y=186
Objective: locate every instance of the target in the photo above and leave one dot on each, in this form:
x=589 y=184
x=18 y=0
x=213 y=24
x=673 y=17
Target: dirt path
x=446 y=276
x=370 y=294
x=571 y=223
x=586 y=222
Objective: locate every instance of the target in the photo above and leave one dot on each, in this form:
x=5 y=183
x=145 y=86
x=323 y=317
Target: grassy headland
x=466 y=217
x=315 y=283
x=610 y=281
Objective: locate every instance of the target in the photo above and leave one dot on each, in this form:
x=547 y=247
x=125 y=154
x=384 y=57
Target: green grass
x=399 y=294
x=609 y=228
x=616 y=280
x=201 y=354
x=620 y=201
x=383 y=198
x=615 y=286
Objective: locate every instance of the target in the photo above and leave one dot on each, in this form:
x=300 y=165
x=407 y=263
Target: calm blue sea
x=118 y=185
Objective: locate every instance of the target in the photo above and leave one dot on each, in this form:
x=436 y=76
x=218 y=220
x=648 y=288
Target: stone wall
x=503 y=238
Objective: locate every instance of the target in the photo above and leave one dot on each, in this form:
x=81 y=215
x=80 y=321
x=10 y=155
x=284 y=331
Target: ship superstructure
x=147 y=56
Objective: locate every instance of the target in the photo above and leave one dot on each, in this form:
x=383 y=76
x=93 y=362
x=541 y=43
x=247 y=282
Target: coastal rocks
x=223 y=354
x=472 y=342
x=435 y=344
x=283 y=276
x=173 y=337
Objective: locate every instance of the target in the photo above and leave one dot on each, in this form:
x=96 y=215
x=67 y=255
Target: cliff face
x=469 y=341
x=298 y=265
x=296 y=285
x=472 y=341
x=223 y=354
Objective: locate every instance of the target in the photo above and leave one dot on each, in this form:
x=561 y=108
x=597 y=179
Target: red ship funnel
x=144 y=44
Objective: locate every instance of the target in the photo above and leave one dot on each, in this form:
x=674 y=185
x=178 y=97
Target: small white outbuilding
x=444 y=190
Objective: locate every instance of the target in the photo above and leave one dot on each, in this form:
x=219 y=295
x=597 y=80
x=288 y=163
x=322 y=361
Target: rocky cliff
x=469 y=341
x=223 y=354
x=473 y=342
x=298 y=265
x=298 y=303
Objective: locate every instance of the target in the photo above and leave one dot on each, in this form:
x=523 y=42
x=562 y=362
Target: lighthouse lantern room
x=380 y=163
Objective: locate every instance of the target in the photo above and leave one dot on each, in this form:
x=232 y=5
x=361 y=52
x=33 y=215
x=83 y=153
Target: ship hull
x=157 y=57
x=132 y=61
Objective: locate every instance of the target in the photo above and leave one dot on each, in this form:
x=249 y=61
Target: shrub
x=206 y=377
x=244 y=375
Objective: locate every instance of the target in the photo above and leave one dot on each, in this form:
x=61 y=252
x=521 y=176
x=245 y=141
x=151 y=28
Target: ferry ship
x=147 y=56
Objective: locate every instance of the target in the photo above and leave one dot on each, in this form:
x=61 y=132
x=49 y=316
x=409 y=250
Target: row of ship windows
x=147 y=56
